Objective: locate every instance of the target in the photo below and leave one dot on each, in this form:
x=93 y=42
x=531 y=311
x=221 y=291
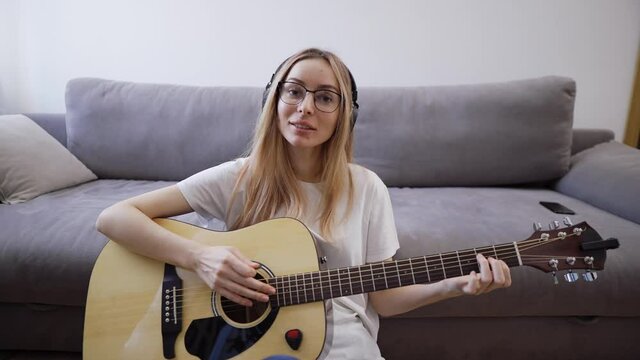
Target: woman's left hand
x=494 y=274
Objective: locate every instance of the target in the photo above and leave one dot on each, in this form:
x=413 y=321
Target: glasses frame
x=281 y=84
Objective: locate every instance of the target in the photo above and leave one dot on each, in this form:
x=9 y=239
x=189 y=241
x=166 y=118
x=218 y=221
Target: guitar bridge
x=171 y=314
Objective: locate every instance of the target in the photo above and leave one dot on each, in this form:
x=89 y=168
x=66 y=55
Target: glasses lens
x=327 y=101
x=292 y=93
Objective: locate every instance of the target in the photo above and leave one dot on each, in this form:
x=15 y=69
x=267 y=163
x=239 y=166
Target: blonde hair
x=271 y=184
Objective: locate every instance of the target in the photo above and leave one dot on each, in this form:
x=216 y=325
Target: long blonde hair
x=271 y=184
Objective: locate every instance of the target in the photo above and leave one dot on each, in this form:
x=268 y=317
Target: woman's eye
x=327 y=99
x=294 y=92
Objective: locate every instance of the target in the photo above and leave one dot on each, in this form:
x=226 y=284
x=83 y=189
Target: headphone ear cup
x=265 y=94
x=354 y=117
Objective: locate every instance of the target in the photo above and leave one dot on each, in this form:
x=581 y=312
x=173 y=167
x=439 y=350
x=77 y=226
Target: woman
x=299 y=165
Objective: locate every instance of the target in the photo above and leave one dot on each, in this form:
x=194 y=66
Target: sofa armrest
x=606 y=176
x=586 y=138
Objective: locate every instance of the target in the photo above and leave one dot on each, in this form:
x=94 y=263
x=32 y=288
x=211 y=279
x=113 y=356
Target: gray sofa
x=466 y=166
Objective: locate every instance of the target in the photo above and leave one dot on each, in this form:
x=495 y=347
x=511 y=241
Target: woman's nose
x=306 y=105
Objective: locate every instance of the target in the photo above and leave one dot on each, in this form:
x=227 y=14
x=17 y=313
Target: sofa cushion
x=467 y=135
x=139 y=131
x=48 y=245
x=32 y=162
x=607 y=176
x=503 y=133
x=436 y=220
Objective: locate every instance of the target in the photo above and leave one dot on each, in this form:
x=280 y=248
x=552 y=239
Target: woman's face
x=303 y=125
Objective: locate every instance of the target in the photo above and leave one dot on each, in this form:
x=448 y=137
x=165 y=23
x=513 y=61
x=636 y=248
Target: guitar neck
x=326 y=284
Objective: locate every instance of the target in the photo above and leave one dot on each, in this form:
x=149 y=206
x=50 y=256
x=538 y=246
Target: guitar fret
x=284 y=292
x=278 y=290
x=426 y=267
x=290 y=292
x=373 y=281
x=406 y=275
x=390 y=269
x=384 y=274
x=379 y=274
x=359 y=281
x=297 y=291
x=304 y=286
x=330 y=283
x=310 y=286
x=412 y=272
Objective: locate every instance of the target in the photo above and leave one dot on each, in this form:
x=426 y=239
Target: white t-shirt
x=367 y=234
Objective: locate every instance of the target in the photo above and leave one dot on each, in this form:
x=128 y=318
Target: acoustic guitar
x=139 y=308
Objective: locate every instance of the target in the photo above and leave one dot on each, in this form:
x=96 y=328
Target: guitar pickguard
x=213 y=338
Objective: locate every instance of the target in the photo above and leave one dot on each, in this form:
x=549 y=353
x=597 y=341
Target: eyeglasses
x=293 y=94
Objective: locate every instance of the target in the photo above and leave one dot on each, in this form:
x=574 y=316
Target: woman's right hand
x=226 y=270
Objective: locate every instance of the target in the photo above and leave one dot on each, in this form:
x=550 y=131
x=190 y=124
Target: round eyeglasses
x=292 y=93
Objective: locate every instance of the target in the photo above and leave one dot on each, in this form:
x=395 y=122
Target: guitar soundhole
x=243 y=314
x=214 y=338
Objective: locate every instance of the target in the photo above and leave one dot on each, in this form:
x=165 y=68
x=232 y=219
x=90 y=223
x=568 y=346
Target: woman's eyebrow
x=330 y=87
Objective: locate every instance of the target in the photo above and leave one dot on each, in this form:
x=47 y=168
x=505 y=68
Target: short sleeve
x=209 y=191
x=382 y=237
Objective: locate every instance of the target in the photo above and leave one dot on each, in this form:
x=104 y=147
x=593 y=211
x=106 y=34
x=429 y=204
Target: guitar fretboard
x=326 y=284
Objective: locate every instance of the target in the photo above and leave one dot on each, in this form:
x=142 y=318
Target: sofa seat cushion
x=51 y=243
x=435 y=220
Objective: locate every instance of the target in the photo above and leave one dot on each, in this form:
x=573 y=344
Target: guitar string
x=287 y=289
x=464 y=256
x=507 y=249
x=230 y=307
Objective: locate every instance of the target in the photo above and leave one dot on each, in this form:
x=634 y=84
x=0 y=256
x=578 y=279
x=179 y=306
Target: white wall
x=9 y=57
x=401 y=42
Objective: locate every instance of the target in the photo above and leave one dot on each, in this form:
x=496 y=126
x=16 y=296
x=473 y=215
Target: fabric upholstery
x=32 y=162
x=436 y=220
x=503 y=133
x=48 y=245
x=157 y=132
x=607 y=176
x=467 y=135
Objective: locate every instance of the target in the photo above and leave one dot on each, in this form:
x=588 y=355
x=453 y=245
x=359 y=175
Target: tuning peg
x=570 y=277
x=537 y=226
x=590 y=276
x=554 y=225
x=567 y=221
x=554 y=265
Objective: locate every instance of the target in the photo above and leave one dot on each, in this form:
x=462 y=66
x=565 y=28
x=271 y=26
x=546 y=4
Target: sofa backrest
x=468 y=135
x=157 y=132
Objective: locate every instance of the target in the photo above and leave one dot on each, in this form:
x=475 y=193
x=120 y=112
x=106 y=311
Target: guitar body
x=126 y=302
x=138 y=308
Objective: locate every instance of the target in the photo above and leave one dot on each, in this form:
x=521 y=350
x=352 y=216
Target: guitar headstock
x=573 y=247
